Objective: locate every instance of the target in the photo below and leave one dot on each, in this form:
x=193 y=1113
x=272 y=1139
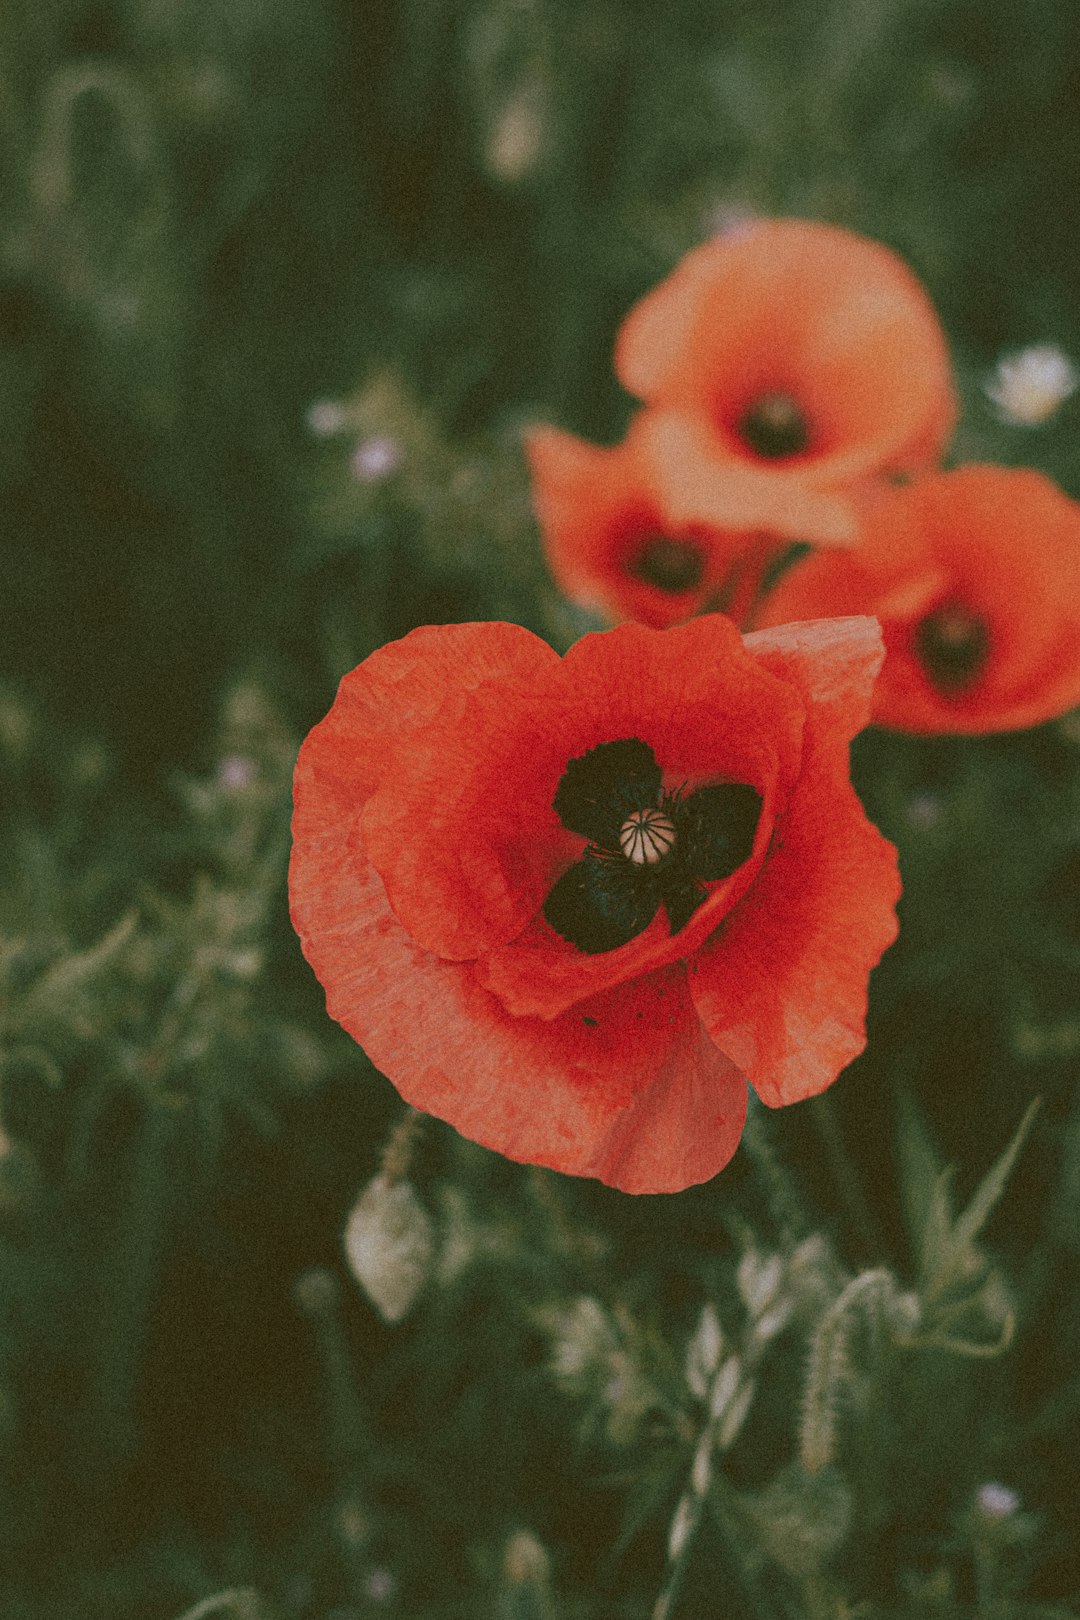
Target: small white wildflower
x=380 y=1586
x=924 y=810
x=729 y=220
x=584 y=1340
x=325 y=417
x=235 y=772
x=376 y=458
x=997 y=1501
x=1028 y=386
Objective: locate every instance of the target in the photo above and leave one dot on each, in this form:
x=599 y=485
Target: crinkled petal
x=403 y=685
x=782 y=987
x=684 y=1126
x=833 y=662
x=462 y=828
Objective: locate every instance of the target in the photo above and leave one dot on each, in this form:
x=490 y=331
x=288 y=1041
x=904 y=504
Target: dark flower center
x=670 y=565
x=774 y=427
x=647 y=846
x=952 y=643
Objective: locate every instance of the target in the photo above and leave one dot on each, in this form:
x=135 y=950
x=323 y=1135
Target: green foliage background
x=281 y=281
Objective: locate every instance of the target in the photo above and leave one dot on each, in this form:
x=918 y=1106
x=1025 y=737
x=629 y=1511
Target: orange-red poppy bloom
x=570 y=905
x=623 y=532
x=801 y=353
x=975 y=577
x=613 y=542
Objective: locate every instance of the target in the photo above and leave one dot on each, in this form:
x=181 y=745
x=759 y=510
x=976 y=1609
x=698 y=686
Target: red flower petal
x=782 y=988
x=390 y=696
x=833 y=662
x=698 y=487
x=461 y=829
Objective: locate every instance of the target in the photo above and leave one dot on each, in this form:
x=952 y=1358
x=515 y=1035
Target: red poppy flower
x=975 y=576
x=807 y=356
x=618 y=536
x=571 y=905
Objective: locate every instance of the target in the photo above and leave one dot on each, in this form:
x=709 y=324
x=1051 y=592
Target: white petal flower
x=1028 y=386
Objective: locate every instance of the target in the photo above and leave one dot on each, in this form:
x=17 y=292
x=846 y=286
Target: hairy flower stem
x=829 y=1366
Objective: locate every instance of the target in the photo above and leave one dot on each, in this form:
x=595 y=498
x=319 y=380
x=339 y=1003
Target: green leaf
x=990 y=1189
x=924 y=1188
x=958 y=1250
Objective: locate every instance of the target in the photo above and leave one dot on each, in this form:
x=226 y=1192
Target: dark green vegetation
x=426 y=217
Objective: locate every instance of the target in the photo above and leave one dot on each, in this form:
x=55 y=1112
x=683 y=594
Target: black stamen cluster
x=953 y=645
x=669 y=564
x=774 y=427
x=604 y=899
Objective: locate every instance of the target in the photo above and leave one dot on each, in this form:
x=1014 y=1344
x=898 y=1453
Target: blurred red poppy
x=619 y=533
x=806 y=356
x=975 y=577
x=570 y=905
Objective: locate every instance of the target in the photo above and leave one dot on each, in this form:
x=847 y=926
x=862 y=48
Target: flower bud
x=703 y=1352
x=390 y=1244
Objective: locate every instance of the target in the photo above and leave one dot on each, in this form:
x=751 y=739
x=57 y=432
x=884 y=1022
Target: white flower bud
x=390 y=1245
x=772 y=1322
x=759 y=1280
x=584 y=1340
x=703 y=1352
x=526 y=1561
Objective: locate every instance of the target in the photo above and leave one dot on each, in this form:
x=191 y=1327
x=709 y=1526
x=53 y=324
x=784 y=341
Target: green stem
x=785 y=1205
x=845 y=1176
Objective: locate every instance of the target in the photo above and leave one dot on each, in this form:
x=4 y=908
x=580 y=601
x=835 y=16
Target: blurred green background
x=281 y=282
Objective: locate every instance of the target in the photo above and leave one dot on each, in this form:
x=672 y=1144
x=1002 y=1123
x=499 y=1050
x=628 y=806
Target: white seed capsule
x=646 y=836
